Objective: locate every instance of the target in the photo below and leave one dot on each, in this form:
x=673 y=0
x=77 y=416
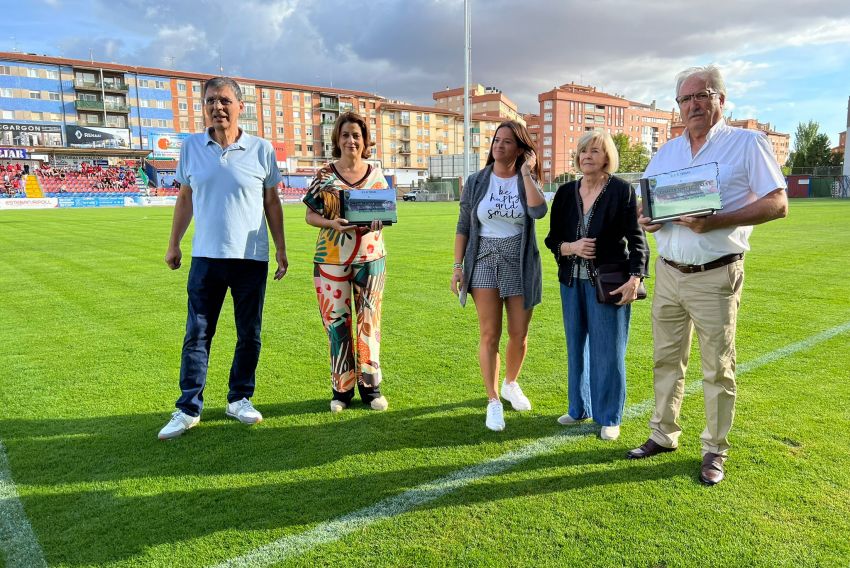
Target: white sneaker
x=495 y=416
x=380 y=404
x=609 y=432
x=337 y=406
x=179 y=423
x=243 y=411
x=513 y=394
x=567 y=420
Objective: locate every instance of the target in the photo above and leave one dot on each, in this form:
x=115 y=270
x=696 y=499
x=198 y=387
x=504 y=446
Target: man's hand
x=173 y=256
x=282 y=264
x=696 y=224
x=647 y=225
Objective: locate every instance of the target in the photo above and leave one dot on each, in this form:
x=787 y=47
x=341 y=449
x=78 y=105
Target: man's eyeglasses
x=700 y=97
x=223 y=100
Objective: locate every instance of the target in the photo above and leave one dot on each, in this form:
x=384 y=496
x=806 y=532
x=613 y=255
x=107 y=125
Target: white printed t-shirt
x=500 y=212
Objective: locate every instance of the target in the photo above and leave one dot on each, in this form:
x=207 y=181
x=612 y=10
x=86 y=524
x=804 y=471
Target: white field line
x=336 y=529
x=17 y=540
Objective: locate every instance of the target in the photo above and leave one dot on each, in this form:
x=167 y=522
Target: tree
x=633 y=157
x=812 y=148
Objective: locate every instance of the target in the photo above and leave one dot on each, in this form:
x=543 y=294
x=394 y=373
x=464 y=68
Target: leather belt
x=691 y=268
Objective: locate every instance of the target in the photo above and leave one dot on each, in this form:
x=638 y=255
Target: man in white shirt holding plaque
x=700 y=266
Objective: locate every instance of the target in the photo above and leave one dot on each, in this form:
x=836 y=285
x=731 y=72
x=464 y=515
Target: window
x=143 y=83
x=308 y=100
x=547 y=141
x=308 y=130
x=547 y=152
x=267 y=130
x=196 y=88
x=278 y=96
x=35 y=94
x=54 y=96
x=5 y=70
x=159 y=84
x=547 y=164
x=143 y=103
x=7 y=114
x=280 y=130
x=115 y=121
x=36 y=116
x=278 y=113
x=162 y=123
x=265 y=95
x=547 y=129
x=297 y=131
x=547 y=116
x=547 y=104
x=267 y=112
x=161 y=104
x=182 y=106
x=146 y=122
x=196 y=107
x=296 y=98
x=6 y=93
x=181 y=87
x=92 y=119
x=32 y=73
x=296 y=114
x=199 y=125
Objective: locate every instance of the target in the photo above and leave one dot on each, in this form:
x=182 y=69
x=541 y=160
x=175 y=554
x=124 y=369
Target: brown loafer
x=711 y=472
x=647 y=450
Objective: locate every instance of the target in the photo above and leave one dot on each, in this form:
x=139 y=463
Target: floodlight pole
x=467 y=51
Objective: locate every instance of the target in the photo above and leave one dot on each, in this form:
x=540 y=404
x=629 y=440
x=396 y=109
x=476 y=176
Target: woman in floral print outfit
x=349 y=263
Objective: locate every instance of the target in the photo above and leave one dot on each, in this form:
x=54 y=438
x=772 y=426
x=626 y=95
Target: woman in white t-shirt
x=497 y=260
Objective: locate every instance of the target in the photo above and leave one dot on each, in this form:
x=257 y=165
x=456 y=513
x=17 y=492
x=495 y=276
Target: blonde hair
x=612 y=157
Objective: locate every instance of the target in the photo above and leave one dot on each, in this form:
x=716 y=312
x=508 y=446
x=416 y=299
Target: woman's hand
x=375 y=226
x=457 y=281
x=584 y=248
x=340 y=224
x=628 y=290
x=530 y=162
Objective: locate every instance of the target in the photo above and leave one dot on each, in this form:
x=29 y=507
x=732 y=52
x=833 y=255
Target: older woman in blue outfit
x=497 y=260
x=594 y=221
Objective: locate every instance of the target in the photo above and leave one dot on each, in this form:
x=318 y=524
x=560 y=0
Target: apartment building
x=484 y=101
x=570 y=110
x=51 y=101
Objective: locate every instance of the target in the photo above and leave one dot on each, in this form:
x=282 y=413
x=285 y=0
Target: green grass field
x=92 y=324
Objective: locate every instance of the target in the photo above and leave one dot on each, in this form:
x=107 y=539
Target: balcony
x=404 y=150
x=248 y=115
x=404 y=134
x=405 y=121
x=326 y=104
x=101 y=106
x=116 y=86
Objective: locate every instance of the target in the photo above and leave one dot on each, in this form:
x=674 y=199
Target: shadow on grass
x=290 y=472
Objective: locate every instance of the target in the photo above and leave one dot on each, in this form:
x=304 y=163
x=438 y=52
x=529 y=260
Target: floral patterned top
x=347 y=247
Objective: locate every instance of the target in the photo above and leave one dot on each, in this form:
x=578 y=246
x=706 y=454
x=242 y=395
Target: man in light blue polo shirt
x=228 y=183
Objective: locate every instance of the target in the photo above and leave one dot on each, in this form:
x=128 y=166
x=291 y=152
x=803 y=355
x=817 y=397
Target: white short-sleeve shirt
x=228 y=185
x=747 y=171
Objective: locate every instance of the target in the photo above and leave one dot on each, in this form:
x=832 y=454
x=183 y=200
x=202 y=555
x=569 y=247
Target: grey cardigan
x=468 y=225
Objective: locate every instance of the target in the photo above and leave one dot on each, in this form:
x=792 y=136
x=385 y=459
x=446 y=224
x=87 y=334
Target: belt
x=691 y=268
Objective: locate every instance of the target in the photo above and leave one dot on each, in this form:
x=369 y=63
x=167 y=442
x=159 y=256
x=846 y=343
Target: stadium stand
x=88 y=181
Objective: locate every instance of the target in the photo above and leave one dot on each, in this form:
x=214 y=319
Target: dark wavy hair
x=347 y=117
x=523 y=140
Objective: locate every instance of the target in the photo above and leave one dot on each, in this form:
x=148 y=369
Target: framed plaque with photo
x=362 y=206
x=693 y=192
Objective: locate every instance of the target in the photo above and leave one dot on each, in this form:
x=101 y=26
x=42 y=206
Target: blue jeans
x=597 y=335
x=209 y=279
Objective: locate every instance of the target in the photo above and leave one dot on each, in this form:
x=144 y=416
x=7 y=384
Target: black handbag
x=609 y=277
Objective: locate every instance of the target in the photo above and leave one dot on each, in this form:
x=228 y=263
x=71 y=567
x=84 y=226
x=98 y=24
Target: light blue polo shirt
x=227 y=194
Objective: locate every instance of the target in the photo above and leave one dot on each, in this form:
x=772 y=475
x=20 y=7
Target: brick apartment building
x=780 y=141
x=568 y=111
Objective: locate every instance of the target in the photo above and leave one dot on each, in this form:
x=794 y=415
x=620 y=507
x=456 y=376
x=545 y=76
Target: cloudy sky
x=785 y=62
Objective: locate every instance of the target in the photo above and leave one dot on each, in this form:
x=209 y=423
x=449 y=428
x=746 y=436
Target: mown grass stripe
x=334 y=530
x=18 y=542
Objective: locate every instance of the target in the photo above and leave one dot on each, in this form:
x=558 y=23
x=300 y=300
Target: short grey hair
x=220 y=82
x=711 y=74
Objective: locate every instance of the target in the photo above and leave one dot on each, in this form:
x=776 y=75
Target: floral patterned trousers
x=335 y=286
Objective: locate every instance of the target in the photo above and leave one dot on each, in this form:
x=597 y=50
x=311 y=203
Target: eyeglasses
x=223 y=100
x=700 y=97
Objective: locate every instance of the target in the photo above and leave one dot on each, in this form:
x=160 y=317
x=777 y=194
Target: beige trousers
x=707 y=301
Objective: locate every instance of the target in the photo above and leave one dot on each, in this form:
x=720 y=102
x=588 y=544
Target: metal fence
x=437 y=191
